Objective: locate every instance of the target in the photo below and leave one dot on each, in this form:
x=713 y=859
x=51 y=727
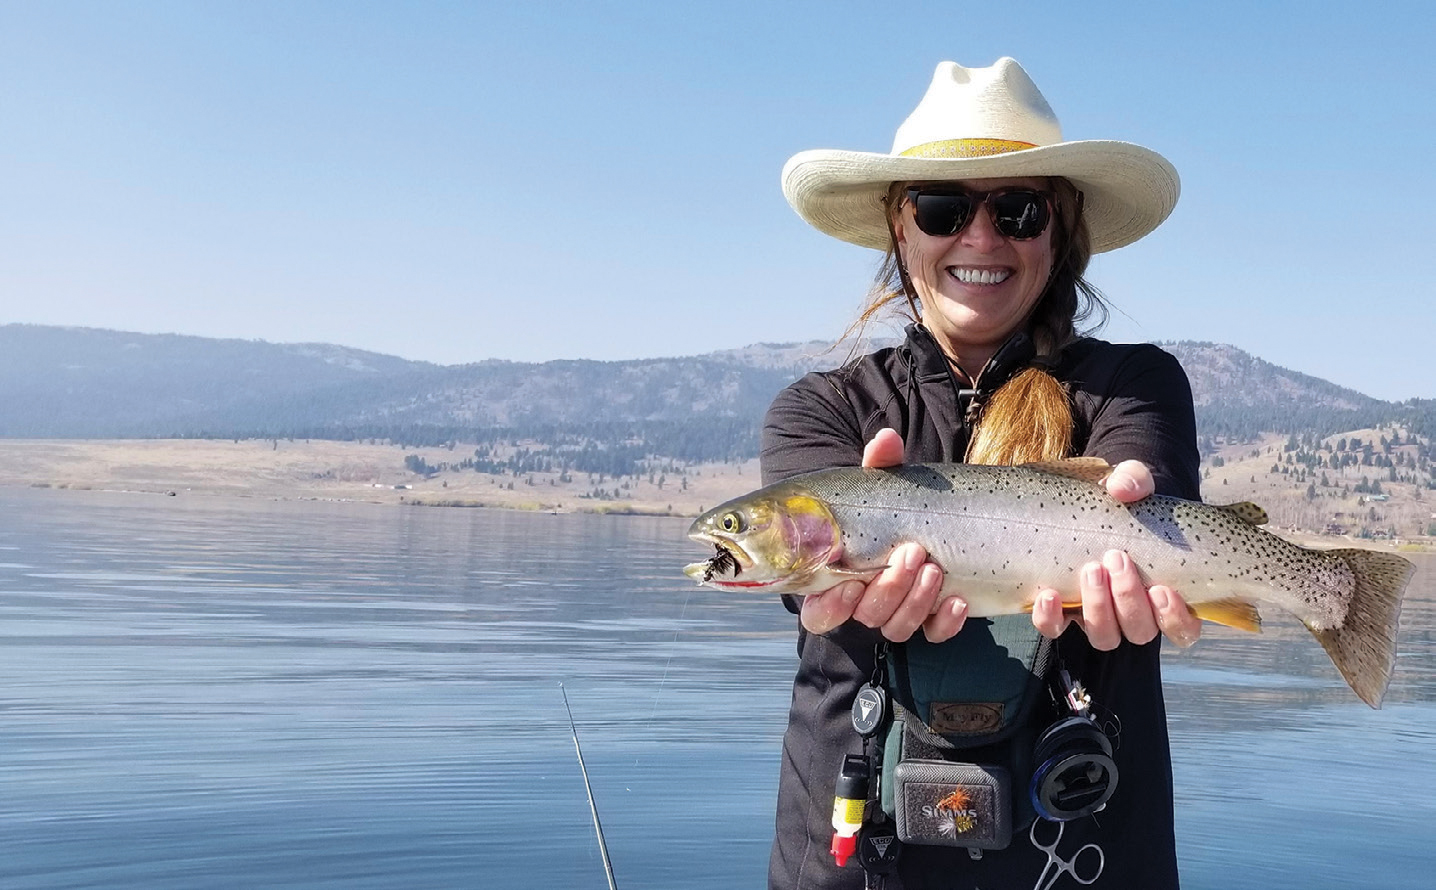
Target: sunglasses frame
x=985 y=199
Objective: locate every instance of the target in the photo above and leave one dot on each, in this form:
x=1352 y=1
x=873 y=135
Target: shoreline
x=283 y=469
x=375 y=473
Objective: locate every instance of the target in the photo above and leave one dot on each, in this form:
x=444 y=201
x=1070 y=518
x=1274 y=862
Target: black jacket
x=1131 y=402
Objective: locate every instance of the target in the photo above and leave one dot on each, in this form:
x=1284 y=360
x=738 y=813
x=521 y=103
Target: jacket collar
x=929 y=362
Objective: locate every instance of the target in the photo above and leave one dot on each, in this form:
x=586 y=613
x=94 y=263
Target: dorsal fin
x=1247 y=512
x=1087 y=469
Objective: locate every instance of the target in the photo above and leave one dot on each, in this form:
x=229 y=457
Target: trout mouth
x=723 y=567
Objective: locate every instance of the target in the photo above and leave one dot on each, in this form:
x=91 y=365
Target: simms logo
x=954 y=813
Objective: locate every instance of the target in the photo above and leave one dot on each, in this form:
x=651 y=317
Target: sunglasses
x=1018 y=213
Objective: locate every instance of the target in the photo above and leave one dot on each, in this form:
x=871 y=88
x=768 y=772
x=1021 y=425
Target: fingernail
x=957 y=607
x=1160 y=600
x=1115 y=561
x=912 y=557
x=851 y=592
x=1092 y=574
x=930 y=577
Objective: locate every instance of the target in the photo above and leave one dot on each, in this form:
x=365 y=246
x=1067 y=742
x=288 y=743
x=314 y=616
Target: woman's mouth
x=979 y=276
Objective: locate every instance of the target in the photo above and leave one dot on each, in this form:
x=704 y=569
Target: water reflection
x=314 y=695
x=344 y=695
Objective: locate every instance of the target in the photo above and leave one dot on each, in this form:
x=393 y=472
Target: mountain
x=86 y=383
x=1238 y=395
x=62 y=382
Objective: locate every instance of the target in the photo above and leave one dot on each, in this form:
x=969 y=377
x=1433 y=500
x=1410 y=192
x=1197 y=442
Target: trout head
x=776 y=539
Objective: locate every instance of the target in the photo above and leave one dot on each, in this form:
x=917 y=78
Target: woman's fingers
x=1099 y=612
x=917 y=605
x=821 y=612
x=1047 y=614
x=1113 y=602
x=898 y=602
x=886 y=593
x=947 y=620
x=1116 y=605
x=1174 y=617
x=1136 y=618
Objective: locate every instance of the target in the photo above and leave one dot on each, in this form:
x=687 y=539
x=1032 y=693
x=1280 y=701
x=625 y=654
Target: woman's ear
x=898 y=229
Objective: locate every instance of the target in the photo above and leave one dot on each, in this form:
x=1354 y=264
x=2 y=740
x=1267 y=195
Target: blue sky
x=462 y=181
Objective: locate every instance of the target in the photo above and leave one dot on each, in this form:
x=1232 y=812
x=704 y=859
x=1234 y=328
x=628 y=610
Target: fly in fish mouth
x=721 y=563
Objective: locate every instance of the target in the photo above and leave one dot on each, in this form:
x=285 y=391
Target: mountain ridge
x=72 y=382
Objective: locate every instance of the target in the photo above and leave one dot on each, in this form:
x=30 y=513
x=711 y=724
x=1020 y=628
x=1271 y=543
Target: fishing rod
x=592 y=807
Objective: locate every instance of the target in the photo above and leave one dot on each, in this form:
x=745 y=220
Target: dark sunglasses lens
x=941 y=215
x=1020 y=215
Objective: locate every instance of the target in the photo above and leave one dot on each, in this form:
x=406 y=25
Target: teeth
x=979 y=276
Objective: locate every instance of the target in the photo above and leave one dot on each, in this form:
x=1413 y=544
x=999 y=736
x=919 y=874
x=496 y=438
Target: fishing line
x=592 y=807
x=672 y=651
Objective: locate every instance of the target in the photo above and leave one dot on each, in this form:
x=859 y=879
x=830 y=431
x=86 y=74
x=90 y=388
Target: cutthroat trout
x=1002 y=533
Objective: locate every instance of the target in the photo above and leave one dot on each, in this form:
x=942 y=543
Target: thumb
x=885 y=449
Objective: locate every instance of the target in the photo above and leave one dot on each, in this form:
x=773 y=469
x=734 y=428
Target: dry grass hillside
x=1321 y=488
x=354 y=471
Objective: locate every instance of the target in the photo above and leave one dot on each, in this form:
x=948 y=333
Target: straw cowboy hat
x=976 y=123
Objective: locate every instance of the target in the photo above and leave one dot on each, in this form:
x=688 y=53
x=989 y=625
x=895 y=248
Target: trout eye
x=732 y=523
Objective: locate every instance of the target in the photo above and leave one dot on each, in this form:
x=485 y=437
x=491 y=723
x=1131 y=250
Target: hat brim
x=1127 y=190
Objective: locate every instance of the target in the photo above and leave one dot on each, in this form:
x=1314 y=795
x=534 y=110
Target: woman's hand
x=1115 y=603
x=902 y=598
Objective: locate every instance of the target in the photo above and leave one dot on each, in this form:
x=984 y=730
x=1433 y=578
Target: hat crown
x=999 y=102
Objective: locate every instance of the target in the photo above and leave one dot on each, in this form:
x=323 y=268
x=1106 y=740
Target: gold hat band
x=965 y=148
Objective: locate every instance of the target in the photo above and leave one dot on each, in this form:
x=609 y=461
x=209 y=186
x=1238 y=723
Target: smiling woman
x=977 y=282
x=987 y=219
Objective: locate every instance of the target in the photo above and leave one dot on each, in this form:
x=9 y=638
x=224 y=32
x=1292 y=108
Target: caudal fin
x=1364 y=646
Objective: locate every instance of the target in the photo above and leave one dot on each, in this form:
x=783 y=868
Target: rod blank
x=592 y=807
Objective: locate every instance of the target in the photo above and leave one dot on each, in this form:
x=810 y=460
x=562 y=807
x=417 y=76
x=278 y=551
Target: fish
x=1001 y=534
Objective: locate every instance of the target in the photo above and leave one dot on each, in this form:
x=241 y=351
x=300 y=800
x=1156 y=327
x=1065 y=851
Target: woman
x=988 y=219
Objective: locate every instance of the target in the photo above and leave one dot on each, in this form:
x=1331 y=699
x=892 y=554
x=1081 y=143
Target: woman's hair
x=1029 y=418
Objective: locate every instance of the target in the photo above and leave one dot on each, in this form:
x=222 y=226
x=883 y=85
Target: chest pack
x=958 y=751
x=987 y=733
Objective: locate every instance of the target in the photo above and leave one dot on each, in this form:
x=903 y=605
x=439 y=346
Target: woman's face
x=976 y=286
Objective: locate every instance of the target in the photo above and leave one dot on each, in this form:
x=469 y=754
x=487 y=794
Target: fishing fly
x=721 y=563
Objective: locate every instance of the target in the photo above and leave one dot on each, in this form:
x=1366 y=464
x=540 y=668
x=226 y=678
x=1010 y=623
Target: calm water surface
x=234 y=693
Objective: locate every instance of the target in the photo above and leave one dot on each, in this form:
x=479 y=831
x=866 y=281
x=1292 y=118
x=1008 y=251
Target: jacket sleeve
x=810 y=426
x=1147 y=415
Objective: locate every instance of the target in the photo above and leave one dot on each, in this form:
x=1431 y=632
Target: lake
x=225 y=692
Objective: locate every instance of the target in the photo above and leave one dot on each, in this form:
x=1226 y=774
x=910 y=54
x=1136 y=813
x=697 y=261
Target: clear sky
x=456 y=181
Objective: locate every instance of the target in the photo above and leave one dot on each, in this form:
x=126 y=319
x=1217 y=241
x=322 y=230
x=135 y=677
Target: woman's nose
x=980 y=231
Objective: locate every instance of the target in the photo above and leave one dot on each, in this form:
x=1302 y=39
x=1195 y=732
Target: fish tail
x=1364 y=646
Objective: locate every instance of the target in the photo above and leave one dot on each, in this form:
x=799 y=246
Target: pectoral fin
x=864 y=574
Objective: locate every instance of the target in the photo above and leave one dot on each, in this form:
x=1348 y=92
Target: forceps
x=1056 y=865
